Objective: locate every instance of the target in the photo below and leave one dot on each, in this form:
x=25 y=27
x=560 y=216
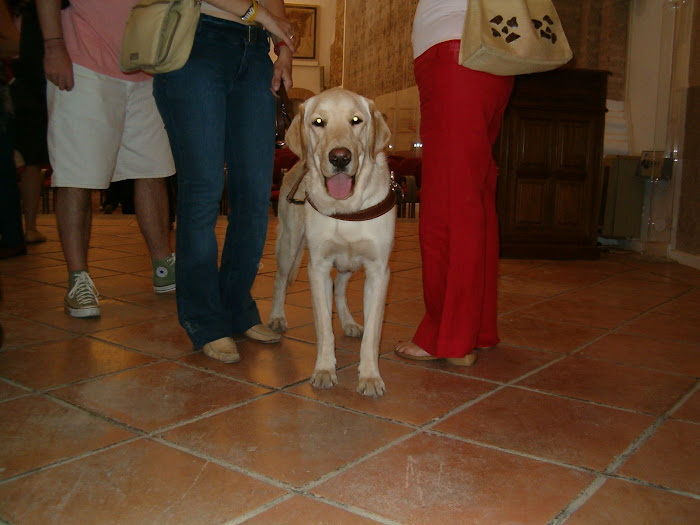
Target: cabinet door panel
x=533 y=155
x=548 y=187
x=550 y=153
x=574 y=146
x=568 y=206
x=531 y=196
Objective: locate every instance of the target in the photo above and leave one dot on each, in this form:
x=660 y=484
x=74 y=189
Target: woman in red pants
x=461 y=112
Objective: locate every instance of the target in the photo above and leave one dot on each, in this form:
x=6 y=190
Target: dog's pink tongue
x=339 y=186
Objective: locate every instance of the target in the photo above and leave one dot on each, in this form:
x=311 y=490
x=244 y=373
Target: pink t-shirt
x=92 y=30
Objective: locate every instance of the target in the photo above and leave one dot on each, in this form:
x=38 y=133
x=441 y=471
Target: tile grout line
x=427 y=429
x=339 y=505
x=69 y=460
x=355 y=411
x=423 y=429
x=649 y=484
x=646 y=434
x=259 y=510
x=151 y=435
x=292 y=490
x=225 y=464
x=140 y=434
x=578 y=501
x=590 y=285
x=357 y=461
x=586 y=401
x=611 y=470
x=355 y=510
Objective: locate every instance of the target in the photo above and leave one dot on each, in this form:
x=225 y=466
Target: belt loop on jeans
x=252 y=33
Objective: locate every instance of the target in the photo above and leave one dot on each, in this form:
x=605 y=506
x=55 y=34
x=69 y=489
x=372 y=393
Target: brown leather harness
x=366 y=214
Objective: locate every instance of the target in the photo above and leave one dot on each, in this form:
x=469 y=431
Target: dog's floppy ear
x=295 y=134
x=380 y=133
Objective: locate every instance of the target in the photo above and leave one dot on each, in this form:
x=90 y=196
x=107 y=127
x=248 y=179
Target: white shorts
x=105 y=129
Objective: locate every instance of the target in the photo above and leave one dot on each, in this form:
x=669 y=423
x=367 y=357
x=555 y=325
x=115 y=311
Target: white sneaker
x=81 y=301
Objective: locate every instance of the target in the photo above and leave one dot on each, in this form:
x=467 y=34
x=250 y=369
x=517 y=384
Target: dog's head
x=338 y=134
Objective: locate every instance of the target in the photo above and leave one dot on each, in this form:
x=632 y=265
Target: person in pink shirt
x=103 y=126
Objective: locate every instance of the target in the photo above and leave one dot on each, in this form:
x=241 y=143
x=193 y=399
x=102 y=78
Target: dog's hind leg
x=376 y=284
x=289 y=251
x=350 y=327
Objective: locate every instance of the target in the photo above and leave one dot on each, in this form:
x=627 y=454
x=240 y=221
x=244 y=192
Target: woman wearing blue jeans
x=220 y=108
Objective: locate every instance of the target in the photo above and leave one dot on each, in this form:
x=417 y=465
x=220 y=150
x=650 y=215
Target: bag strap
x=284 y=115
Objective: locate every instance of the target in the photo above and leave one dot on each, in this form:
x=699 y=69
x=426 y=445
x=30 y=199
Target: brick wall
x=378 y=53
x=597 y=32
x=378 y=56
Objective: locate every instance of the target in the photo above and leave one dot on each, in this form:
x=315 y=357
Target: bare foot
x=411 y=350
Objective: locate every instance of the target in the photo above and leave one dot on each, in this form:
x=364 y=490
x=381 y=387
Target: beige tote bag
x=158 y=35
x=513 y=37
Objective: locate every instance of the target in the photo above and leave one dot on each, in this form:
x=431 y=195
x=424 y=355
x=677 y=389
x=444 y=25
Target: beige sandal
x=467 y=360
x=223 y=350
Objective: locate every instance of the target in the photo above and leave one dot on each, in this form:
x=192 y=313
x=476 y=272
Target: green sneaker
x=164 y=274
x=81 y=300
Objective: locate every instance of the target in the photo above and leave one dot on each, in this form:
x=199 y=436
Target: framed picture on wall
x=303 y=18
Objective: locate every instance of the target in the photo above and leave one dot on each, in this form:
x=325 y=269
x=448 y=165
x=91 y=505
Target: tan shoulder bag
x=513 y=37
x=158 y=35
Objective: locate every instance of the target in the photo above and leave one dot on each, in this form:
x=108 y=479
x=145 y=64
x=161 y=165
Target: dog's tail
x=297 y=263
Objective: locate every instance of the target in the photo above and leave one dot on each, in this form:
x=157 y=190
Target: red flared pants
x=461 y=113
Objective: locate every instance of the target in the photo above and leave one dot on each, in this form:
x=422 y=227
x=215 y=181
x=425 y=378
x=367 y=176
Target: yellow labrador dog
x=339 y=200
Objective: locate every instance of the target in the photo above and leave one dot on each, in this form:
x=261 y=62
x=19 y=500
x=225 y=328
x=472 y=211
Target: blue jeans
x=218 y=108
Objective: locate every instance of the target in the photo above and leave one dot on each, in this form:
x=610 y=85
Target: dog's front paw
x=353 y=330
x=278 y=324
x=323 y=378
x=371 y=387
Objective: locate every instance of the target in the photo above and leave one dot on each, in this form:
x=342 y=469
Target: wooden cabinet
x=550 y=155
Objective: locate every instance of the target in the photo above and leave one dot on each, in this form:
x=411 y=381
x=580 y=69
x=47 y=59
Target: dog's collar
x=368 y=213
x=362 y=215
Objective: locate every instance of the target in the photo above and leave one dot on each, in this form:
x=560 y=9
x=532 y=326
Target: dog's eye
x=356 y=120
x=318 y=122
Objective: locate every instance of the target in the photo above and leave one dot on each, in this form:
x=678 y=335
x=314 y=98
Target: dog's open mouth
x=340 y=185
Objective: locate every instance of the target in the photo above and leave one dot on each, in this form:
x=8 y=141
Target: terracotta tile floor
x=588 y=412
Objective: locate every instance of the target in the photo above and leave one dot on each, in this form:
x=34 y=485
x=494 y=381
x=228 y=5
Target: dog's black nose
x=340 y=157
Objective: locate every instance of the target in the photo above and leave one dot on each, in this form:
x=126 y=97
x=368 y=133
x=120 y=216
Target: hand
x=282 y=70
x=58 y=66
x=280 y=27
